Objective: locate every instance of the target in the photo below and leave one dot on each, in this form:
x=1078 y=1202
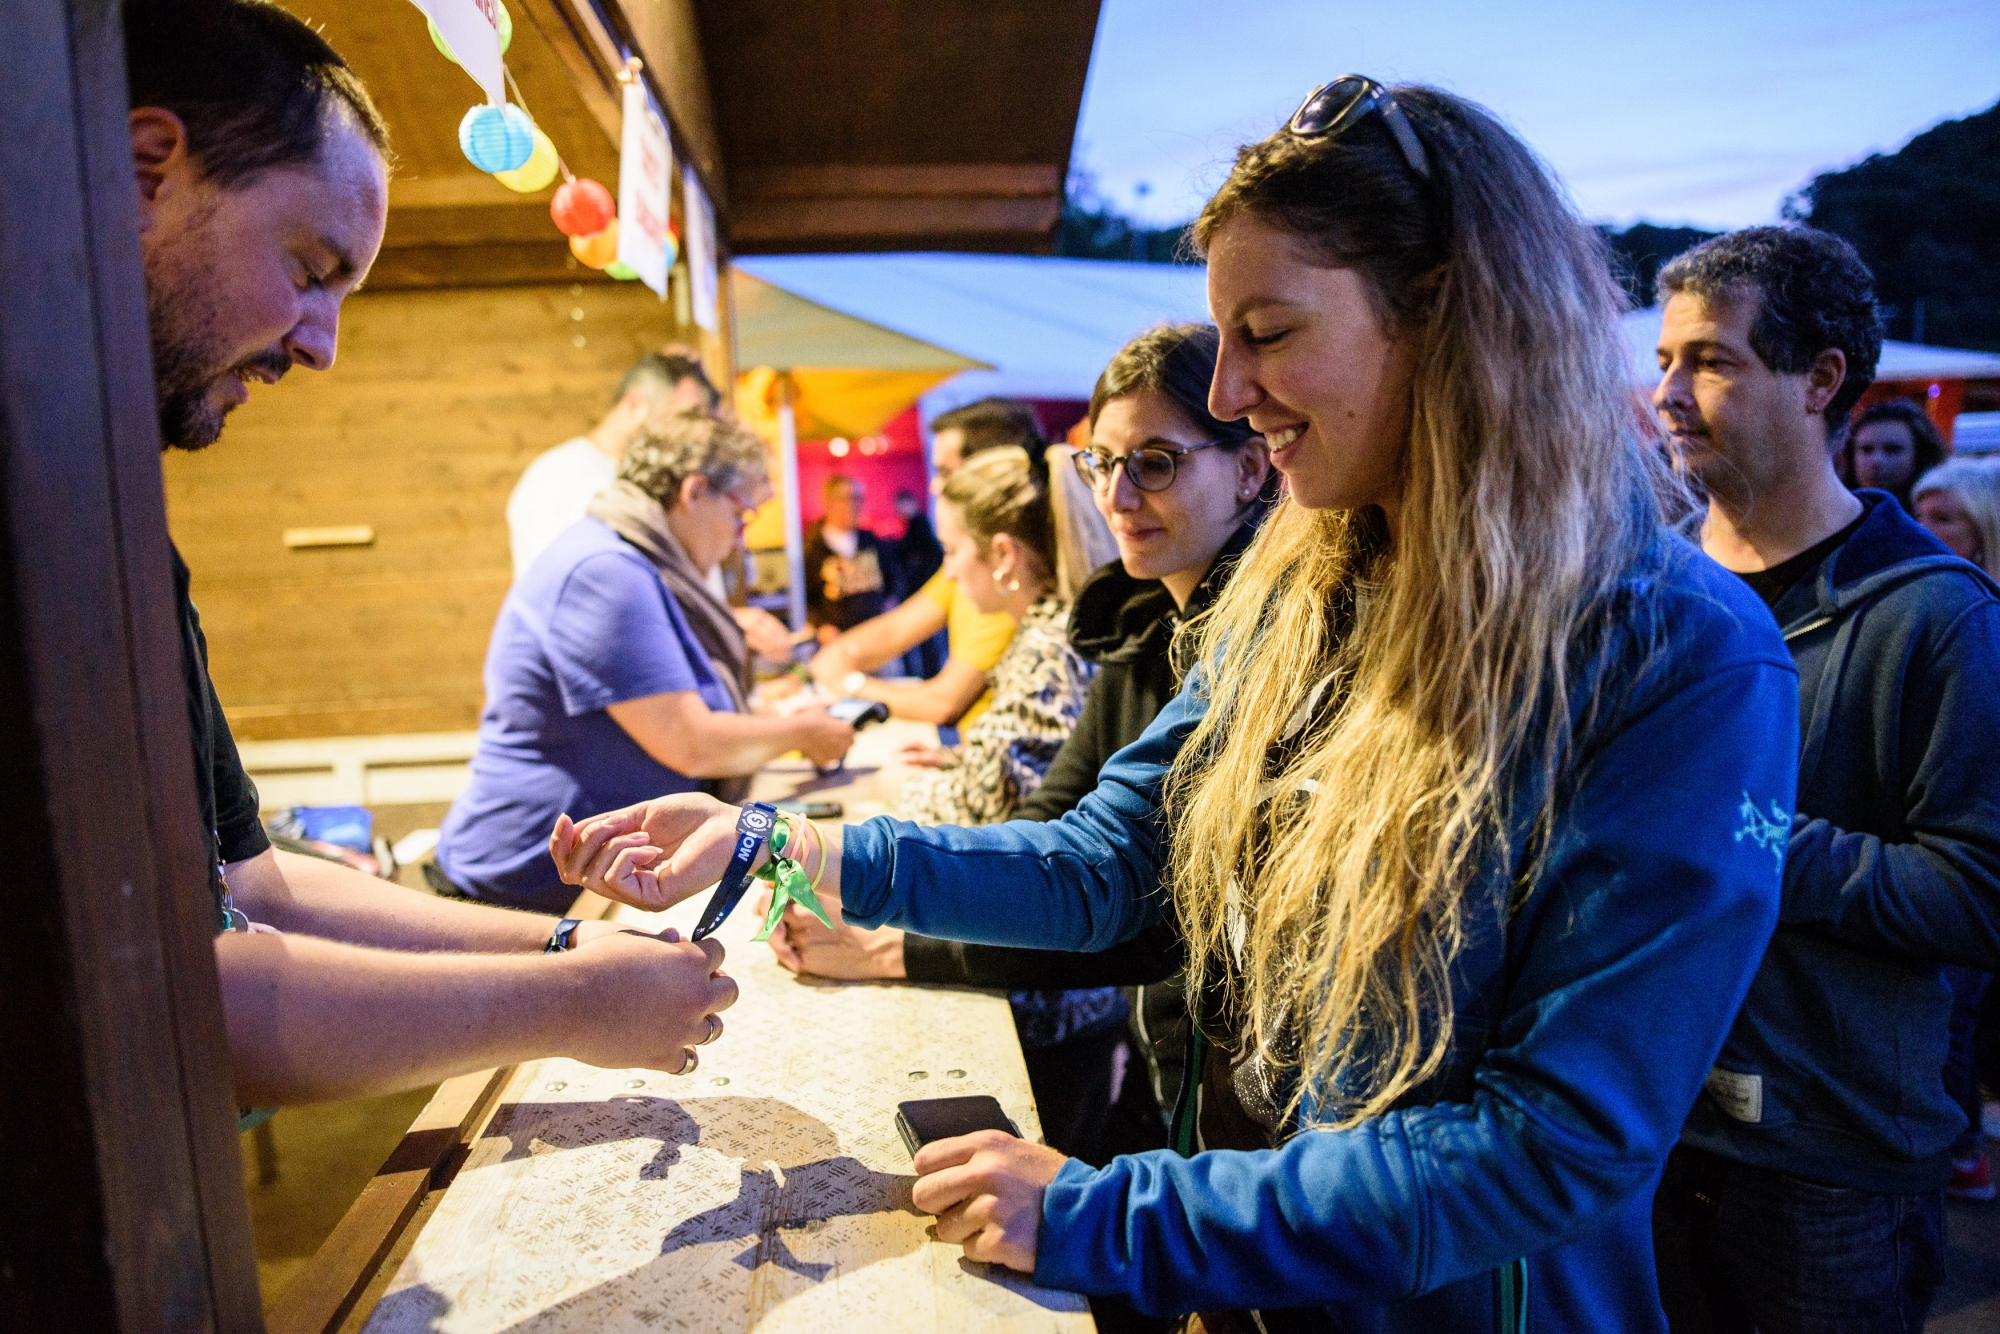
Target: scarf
x=642 y=522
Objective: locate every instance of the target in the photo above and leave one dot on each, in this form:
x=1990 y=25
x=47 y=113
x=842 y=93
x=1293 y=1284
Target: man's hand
x=805 y=945
x=654 y=999
x=986 y=1190
x=651 y=855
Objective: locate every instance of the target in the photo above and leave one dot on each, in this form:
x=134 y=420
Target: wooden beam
x=122 y=1177
x=321 y=1295
x=998 y=180
x=664 y=34
x=495 y=264
x=587 y=50
x=799 y=222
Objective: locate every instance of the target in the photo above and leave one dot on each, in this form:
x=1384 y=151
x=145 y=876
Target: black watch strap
x=563 y=939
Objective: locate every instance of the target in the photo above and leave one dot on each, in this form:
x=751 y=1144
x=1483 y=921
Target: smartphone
x=813 y=810
x=858 y=713
x=929 y=1119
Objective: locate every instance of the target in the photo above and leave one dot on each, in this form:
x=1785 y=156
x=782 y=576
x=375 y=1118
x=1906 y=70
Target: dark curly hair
x=1814 y=293
x=252 y=84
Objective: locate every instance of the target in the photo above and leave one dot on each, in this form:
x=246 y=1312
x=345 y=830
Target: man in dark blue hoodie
x=1806 y=1194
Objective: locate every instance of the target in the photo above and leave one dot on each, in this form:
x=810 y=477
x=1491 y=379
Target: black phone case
x=924 y=1120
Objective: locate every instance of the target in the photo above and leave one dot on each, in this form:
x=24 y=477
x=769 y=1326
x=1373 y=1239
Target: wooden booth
x=347 y=535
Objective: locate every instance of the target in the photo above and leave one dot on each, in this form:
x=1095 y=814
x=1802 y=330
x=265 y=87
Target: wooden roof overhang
x=895 y=124
x=849 y=125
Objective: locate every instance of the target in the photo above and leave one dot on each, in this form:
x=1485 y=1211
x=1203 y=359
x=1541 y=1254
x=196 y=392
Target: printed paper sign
x=645 y=170
x=702 y=258
x=471 y=28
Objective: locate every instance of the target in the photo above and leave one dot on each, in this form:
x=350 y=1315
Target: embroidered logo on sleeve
x=1766 y=831
x=1739 y=1096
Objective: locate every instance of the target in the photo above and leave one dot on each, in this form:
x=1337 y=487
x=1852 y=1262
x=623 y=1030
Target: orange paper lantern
x=597 y=251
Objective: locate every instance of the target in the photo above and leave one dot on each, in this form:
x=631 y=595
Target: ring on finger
x=693 y=1059
x=714 y=1029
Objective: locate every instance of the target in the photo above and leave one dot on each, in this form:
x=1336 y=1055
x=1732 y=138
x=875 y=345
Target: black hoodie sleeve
x=1151 y=956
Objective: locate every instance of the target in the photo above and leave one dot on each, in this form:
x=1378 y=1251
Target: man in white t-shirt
x=555 y=488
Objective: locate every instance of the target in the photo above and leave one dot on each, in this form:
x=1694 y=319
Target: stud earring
x=1013 y=585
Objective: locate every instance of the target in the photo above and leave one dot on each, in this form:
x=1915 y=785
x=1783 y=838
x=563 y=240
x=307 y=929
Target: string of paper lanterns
x=505 y=142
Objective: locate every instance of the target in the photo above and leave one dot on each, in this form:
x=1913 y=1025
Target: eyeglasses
x=1332 y=108
x=1151 y=468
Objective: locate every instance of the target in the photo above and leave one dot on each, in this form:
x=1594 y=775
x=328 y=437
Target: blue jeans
x=1744 y=1249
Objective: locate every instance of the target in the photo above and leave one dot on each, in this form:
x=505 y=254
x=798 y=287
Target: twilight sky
x=1707 y=112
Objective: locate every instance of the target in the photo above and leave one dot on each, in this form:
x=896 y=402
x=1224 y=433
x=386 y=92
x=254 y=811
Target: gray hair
x=1975 y=485
x=669 y=450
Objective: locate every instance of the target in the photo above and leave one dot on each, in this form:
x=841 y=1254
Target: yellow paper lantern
x=597 y=251
x=536 y=173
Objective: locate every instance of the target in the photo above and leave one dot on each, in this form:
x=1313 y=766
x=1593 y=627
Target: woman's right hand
x=822 y=738
x=651 y=855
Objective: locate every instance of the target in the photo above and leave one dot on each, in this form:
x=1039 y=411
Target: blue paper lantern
x=497 y=138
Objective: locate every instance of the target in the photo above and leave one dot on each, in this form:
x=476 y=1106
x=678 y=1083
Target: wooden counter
x=767 y=1191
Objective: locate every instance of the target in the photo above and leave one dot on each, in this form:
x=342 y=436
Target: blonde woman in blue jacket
x=1471 y=813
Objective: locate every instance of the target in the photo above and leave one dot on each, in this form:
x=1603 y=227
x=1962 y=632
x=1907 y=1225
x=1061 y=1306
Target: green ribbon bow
x=789 y=885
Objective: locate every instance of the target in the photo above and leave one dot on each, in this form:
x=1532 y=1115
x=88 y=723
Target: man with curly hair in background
x=1807 y=1190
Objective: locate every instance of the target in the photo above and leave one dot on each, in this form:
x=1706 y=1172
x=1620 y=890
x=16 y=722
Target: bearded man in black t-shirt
x=261 y=168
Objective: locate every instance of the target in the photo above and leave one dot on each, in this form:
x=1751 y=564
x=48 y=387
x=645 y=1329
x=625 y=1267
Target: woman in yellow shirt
x=957 y=694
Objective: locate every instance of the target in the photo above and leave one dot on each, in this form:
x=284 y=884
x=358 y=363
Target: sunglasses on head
x=1332 y=108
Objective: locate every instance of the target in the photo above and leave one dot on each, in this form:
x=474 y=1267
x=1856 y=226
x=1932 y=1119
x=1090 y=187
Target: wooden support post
x=125 y=1207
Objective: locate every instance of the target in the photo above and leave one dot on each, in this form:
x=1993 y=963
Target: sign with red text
x=471 y=28
x=703 y=278
x=645 y=174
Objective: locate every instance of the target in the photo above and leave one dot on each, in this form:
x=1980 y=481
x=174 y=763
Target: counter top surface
x=768 y=1191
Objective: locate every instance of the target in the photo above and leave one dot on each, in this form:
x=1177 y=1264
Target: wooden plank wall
x=436 y=403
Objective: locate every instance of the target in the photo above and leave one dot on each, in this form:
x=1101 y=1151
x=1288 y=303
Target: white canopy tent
x=1048 y=326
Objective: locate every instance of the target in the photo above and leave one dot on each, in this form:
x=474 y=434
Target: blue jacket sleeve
x=1626 y=966
x=1936 y=896
x=1084 y=882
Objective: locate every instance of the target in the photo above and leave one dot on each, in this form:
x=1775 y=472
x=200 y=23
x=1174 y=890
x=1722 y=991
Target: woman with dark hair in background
x=1890 y=446
x=1183 y=494
x=958 y=693
x=1471 y=811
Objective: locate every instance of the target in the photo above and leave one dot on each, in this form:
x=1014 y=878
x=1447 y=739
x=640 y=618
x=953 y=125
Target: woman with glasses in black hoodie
x=1183 y=494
